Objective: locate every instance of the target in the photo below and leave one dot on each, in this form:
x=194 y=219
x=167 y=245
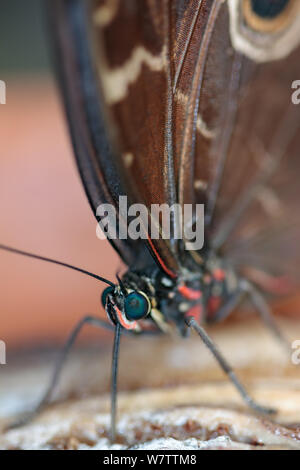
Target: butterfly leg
x=87 y=320
x=244 y=290
x=228 y=307
x=191 y=322
x=265 y=313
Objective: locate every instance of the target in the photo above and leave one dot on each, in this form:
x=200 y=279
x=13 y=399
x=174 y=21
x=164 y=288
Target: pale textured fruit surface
x=173 y=395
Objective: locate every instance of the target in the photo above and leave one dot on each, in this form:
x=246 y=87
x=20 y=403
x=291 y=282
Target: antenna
x=60 y=263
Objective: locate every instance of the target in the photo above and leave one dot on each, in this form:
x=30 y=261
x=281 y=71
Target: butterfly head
x=126 y=306
x=140 y=303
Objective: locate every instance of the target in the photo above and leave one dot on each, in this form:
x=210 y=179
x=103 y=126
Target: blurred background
x=43 y=208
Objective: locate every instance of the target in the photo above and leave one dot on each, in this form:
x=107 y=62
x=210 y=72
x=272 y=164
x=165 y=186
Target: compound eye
x=105 y=293
x=136 y=305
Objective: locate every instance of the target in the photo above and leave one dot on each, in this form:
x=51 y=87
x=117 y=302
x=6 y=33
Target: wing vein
x=188 y=140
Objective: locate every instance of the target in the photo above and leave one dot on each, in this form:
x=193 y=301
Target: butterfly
x=186 y=102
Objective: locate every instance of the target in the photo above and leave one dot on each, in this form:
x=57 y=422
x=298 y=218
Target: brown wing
x=132 y=72
x=247 y=171
x=133 y=58
x=152 y=62
x=188 y=106
x=87 y=117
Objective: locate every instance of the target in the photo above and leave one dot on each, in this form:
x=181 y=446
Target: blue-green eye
x=108 y=290
x=137 y=306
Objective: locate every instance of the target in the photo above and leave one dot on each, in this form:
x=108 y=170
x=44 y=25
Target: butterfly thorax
x=154 y=301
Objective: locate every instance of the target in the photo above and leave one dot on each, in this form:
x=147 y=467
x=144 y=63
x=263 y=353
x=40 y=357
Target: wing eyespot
x=268 y=16
x=264 y=30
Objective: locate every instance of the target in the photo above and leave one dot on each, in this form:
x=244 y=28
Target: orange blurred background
x=43 y=207
x=44 y=210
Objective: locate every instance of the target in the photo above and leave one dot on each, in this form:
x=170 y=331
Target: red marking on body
x=188 y=293
x=219 y=274
x=214 y=303
x=196 y=311
x=168 y=271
